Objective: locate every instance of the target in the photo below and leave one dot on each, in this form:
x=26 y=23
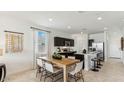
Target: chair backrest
x=40 y=62
x=71 y=57
x=79 y=57
x=49 y=67
x=78 y=67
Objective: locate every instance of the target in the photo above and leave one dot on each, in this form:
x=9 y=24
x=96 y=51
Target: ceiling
x=73 y=21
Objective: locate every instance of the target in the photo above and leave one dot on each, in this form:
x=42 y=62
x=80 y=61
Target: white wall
x=106 y=44
x=113 y=41
x=81 y=41
x=98 y=37
x=114 y=37
x=18 y=61
x=21 y=61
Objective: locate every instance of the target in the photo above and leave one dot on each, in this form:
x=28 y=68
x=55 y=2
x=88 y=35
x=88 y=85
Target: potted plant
x=56 y=56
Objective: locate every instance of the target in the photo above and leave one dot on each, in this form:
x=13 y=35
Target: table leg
x=65 y=74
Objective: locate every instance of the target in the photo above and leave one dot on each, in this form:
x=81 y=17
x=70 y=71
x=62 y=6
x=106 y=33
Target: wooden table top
x=63 y=61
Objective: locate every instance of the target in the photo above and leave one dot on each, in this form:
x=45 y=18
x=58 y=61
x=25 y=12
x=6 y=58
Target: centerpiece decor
x=57 y=56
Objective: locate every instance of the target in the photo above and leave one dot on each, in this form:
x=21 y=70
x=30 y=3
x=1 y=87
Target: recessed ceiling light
x=50 y=19
x=105 y=28
x=81 y=33
x=99 y=18
x=69 y=27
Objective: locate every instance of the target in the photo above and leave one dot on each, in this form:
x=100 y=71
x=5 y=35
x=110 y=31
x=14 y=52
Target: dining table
x=63 y=63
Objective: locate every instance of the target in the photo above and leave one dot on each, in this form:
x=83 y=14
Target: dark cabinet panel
x=58 y=41
x=90 y=41
x=71 y=42
x=67 y=42
x=62 y=42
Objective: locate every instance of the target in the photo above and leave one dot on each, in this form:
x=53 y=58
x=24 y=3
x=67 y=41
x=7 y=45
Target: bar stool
x=95 y=65
x=99 y=61
x=98 y=64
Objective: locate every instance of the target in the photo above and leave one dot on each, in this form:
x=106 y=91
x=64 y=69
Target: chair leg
x=75 y=77
x=52 y=77
x=42 y=71
x=45 y=76
x=82 y=76
x=37 y=72
x=41 y=75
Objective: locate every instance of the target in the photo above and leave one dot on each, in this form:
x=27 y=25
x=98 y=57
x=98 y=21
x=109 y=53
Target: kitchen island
x=68 y=53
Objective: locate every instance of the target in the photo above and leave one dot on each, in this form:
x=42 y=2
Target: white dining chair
x=71 y=57
x=52 y=71
x=70 y=68
x=77 y=72
x=40 y=67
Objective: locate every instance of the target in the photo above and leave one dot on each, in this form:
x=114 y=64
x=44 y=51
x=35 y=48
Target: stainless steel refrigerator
x=99 y=47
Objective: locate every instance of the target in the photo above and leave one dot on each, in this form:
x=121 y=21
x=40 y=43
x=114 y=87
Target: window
x=14 y=42
x=41 y=43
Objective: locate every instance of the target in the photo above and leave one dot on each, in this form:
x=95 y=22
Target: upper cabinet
x=59 y=41
x=90 y=41
x=71 y=42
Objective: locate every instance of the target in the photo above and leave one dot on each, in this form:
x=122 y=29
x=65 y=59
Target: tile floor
x=112 y=71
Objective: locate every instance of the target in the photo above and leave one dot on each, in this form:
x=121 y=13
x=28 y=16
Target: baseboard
x=114 y=57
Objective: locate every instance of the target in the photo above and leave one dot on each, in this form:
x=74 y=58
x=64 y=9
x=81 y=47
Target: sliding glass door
x=40 y=45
